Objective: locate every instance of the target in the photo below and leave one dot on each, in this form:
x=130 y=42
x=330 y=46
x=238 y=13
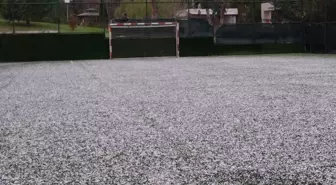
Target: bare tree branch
x=215 y=20
x=209 y=18
x=222 y=14
x=155 y=11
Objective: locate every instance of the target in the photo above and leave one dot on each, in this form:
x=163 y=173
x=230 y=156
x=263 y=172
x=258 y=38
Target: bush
x=25 y=10
x=137 y=9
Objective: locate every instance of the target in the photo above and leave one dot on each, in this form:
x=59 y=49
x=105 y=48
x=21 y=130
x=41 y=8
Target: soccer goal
x=128 y=36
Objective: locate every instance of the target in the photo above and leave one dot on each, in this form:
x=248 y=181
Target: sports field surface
x=207 y=120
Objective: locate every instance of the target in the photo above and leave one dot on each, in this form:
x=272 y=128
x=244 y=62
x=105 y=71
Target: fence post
x=254 y=25
x=58 y=8
x=13 y=19
x=325 y=27
x=213 y=23
x=253 y=12
x=146 y=10
x=310 y=28
x=304 y=29
x=188 y=17
x=105 y=18
x=102 y=21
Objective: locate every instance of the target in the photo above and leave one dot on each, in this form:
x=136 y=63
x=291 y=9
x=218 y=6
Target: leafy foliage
x=73 y=23
x=305 y=11
x=18 y=10
x=293 y=11
x=168 y=10
x=103 y=13
x=136 y=9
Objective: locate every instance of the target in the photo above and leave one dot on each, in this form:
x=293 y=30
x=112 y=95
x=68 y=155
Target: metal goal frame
x=145 y=25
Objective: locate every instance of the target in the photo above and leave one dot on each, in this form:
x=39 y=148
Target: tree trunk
x=209 y=17
x=155 y=11
x=222 y=14
x=212 y=20
x=107 y=9
x=111 y=6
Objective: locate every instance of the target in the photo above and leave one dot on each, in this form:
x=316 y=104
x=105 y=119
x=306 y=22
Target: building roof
x=91 y=12
x=88 y=14
x=194 y=11
x=267 y=7
x=231 y=11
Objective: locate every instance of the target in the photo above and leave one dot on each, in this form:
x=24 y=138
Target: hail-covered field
x=211 y=120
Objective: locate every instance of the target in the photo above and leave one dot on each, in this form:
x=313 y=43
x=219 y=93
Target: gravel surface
x=212 y=120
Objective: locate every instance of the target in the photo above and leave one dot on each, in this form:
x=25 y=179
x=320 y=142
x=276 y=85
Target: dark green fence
x=259 y=34
x=39 y=47
x=77 y=30
x=321 y=38
x=52 y=47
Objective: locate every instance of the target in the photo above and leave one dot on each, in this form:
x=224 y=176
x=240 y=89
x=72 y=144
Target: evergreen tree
x=17 y=10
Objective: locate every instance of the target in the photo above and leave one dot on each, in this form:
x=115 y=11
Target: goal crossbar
x=145 y=25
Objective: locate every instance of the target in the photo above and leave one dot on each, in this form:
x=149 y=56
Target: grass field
x=238 y=120
x=6 y=26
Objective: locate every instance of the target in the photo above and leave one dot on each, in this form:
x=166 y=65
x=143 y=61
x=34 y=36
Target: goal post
x=148 y=30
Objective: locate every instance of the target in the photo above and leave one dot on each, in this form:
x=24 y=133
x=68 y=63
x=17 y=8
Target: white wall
x=230 y=19
x=266 y=12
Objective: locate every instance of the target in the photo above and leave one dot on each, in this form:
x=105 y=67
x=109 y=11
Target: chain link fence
x=310 y=22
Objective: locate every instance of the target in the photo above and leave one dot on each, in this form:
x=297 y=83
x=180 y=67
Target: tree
x=218 y=7
x=331 y=13
x=155 y=9
x=135 y=9
x=168 y=10
x=25 y=10
x=103 y=13
x=300 y=10
x=138 y=9
x=73 y=22
x=254 y=11
x=11 y=11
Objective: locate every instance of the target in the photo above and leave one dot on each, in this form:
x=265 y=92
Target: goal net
x=144 y=39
